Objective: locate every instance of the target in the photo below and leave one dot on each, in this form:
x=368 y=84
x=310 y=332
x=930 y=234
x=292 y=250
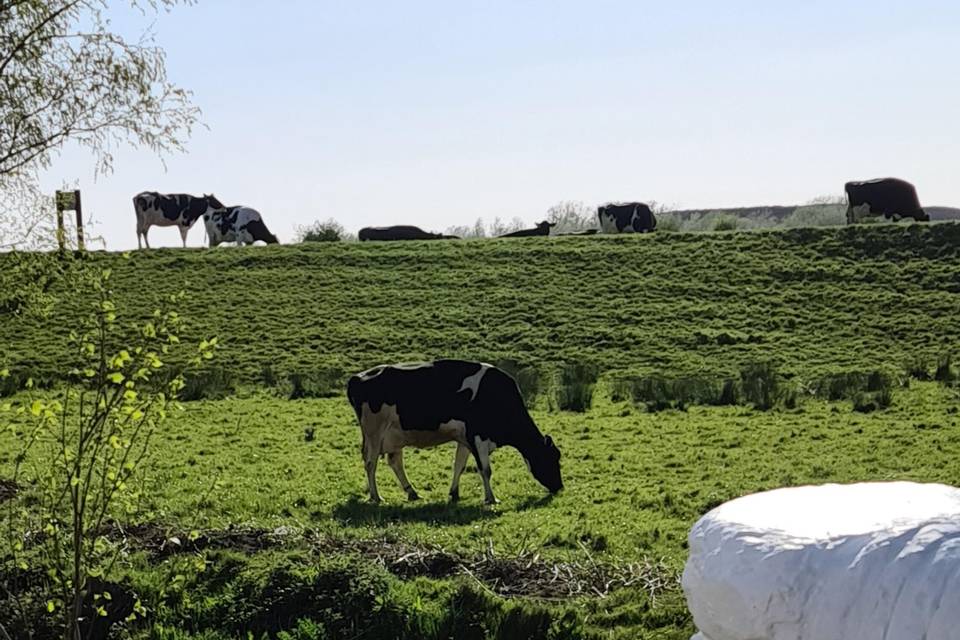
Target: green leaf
x=36 y=408
x=51 y=607
x=116 y=377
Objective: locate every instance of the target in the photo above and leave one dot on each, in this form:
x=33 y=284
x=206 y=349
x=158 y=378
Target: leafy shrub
x=659 y=393
x=918 y=368
x=669 y=224
x=726 y=223
x=760 y=384
x=868 y=401
x=577 y=383
x=10 y=383
x=320 y=383
x=847 y=384
x=526 y=377
x=945 y=372
x=214 y=383
x=322 y=231
x=268 y=376
x=729 y=393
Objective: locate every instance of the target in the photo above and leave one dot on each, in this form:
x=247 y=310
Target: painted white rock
x=871 y=561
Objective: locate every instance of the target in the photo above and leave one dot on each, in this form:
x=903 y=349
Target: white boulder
x=871 y=561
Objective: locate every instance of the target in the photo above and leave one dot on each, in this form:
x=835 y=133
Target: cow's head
x=545 y=226
x=545 y=465
x=213 y=201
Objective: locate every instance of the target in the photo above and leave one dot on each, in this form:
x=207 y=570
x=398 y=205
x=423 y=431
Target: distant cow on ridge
x=476 y=405
x=892 y=197
x=542 y=229
x=631 y=217
x=400 y=232
x=167 y=210
x=239 y=224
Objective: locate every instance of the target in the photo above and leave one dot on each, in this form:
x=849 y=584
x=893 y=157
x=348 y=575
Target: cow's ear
x=547 y=440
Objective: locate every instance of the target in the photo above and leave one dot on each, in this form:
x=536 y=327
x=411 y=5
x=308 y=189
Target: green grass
x=812 y=301
x=822 y=326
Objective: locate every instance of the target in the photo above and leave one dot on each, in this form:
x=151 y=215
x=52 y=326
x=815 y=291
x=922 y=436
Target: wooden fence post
x=67 y=200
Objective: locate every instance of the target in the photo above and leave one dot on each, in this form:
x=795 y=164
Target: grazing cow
x=401 y=232
x=167 y=210
x=426 y=404
x=242 y=225
x=891 y=197
x=632 y=217
x=542 y=229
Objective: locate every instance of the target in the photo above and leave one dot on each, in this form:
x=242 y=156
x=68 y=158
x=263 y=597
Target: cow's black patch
x=259 y=231
x=890 y=197
x=399 y=232
x=542 y=229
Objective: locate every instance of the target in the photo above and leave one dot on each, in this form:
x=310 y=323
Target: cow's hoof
x=492 y=502
x=412 y=496
x=454 y=496
x=374 y=500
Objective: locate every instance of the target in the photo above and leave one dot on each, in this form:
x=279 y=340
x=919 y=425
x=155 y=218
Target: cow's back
x=425 y=394
x=887 y=196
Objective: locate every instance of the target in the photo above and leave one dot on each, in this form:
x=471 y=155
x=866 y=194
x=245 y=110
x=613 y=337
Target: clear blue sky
x=436 y=113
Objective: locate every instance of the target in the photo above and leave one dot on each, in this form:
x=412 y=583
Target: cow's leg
x=395 y=460
x=482 y=452
x=459 y=463
x=145 y=240
x=371 y=455
x=139 y=243
x=183 y=235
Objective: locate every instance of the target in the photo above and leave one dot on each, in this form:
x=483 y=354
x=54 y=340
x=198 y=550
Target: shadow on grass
x=535 y=502
x=358 y=511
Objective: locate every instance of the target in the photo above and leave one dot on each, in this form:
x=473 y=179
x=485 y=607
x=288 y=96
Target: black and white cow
x=400 y=232
x=631 y=217
x=426 y=404
x=172 y=209
x=891 y=197
x=542 y=229
x=239 y=224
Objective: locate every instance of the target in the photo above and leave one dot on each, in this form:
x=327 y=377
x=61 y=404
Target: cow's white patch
x=472 y=383
x=484 y=449
x=220 y=229
x=608 y=223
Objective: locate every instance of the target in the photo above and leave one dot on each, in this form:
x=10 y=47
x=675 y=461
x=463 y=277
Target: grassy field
x=274 y=488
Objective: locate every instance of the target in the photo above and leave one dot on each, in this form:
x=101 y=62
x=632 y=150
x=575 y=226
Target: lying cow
x=242 y=225
x=423 y=405
x=167 y=210
x=400 y=232
x=891 y=197
x=632 y=217
x=542 y=229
